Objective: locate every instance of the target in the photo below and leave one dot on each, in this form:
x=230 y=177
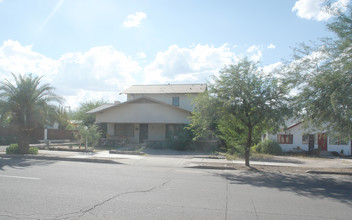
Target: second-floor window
x=176 y=101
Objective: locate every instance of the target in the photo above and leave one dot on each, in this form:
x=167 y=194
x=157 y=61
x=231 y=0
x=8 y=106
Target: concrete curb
x=126 y=152
x=73 y=159
x=201 y=165
x=212 y=167
x=328 y=172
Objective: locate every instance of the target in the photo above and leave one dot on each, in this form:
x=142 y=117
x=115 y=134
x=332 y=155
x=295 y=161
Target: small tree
x=26 y=104
x=245 y=104
x=89 y=135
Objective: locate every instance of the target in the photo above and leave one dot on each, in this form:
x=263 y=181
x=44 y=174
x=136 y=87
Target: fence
x=37 y=134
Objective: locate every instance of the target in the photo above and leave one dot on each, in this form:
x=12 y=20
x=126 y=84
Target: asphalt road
x=40 y=189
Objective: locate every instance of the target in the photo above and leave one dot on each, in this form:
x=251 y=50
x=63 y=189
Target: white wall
x=346 y=148
x=297 y=133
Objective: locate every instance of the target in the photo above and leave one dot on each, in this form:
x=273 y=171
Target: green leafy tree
x=27 y=105
x=204 y=116
x=246 y=104
x=321 y=77
x=81 y=113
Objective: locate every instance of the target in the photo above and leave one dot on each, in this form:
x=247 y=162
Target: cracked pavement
x=84 y=211
x=39 y=189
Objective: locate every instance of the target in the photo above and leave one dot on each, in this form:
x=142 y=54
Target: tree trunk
x=248 y=146
x=23 y=142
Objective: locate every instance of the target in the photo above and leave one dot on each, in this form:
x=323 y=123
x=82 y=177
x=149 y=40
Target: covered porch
x=134 y=133
x=141 y=120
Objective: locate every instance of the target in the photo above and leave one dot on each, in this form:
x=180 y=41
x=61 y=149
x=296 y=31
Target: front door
x=322 y=142
x=143 y=132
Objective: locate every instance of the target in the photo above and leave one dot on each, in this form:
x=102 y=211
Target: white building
x=151 y=112
x=297 y=137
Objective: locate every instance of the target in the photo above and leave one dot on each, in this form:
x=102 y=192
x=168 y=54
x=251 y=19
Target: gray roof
x=142 y=99
x=100 y=108
x=167 y=88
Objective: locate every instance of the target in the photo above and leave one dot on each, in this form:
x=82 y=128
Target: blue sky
x=94 y=49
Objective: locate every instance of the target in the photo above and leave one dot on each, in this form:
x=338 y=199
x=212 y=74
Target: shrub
x=33 y=150
x=180 y=140
x=12 y=149
x=268 y=147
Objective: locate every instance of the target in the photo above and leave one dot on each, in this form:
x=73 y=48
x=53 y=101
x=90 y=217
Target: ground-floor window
x=305 y=138
x=336 y=140
x=285 y=139
x=173 y=129
x=124 y=130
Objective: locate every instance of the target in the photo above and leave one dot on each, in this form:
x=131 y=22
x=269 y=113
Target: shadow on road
x=19 y=163
x=318 y=186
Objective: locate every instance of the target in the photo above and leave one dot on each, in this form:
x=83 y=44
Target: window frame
x=285 y=138
x=305 y=139
x=125 y=130
x=337 y=140
x=176 y=101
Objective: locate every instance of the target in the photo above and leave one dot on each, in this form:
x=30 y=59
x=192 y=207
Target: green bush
x=33 y=150
x=268 y=147
x=180 y=140
x=12 y=149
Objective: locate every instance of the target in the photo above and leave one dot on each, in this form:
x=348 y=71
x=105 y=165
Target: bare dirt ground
x=290 y=164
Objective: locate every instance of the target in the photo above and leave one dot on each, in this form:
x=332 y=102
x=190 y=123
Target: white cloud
x=141 y=54
x=185 y=65
x=256 y=53
x=134 y=20
x=271 y=46
x=317 y=9
x=22 y=59
x=100 y=73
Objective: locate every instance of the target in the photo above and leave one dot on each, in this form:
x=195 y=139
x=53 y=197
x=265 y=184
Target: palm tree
x=28 y=105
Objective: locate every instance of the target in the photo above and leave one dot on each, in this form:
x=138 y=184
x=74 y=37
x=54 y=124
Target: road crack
x=255 y=210
x=82 y=212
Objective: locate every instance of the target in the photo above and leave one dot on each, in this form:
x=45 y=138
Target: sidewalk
x=191 y=160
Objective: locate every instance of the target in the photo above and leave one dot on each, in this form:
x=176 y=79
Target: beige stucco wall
x=143 y=113
x=156 y=132
x=185 y=99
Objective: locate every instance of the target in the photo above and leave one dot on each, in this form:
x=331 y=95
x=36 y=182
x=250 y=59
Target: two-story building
x=151 y=112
